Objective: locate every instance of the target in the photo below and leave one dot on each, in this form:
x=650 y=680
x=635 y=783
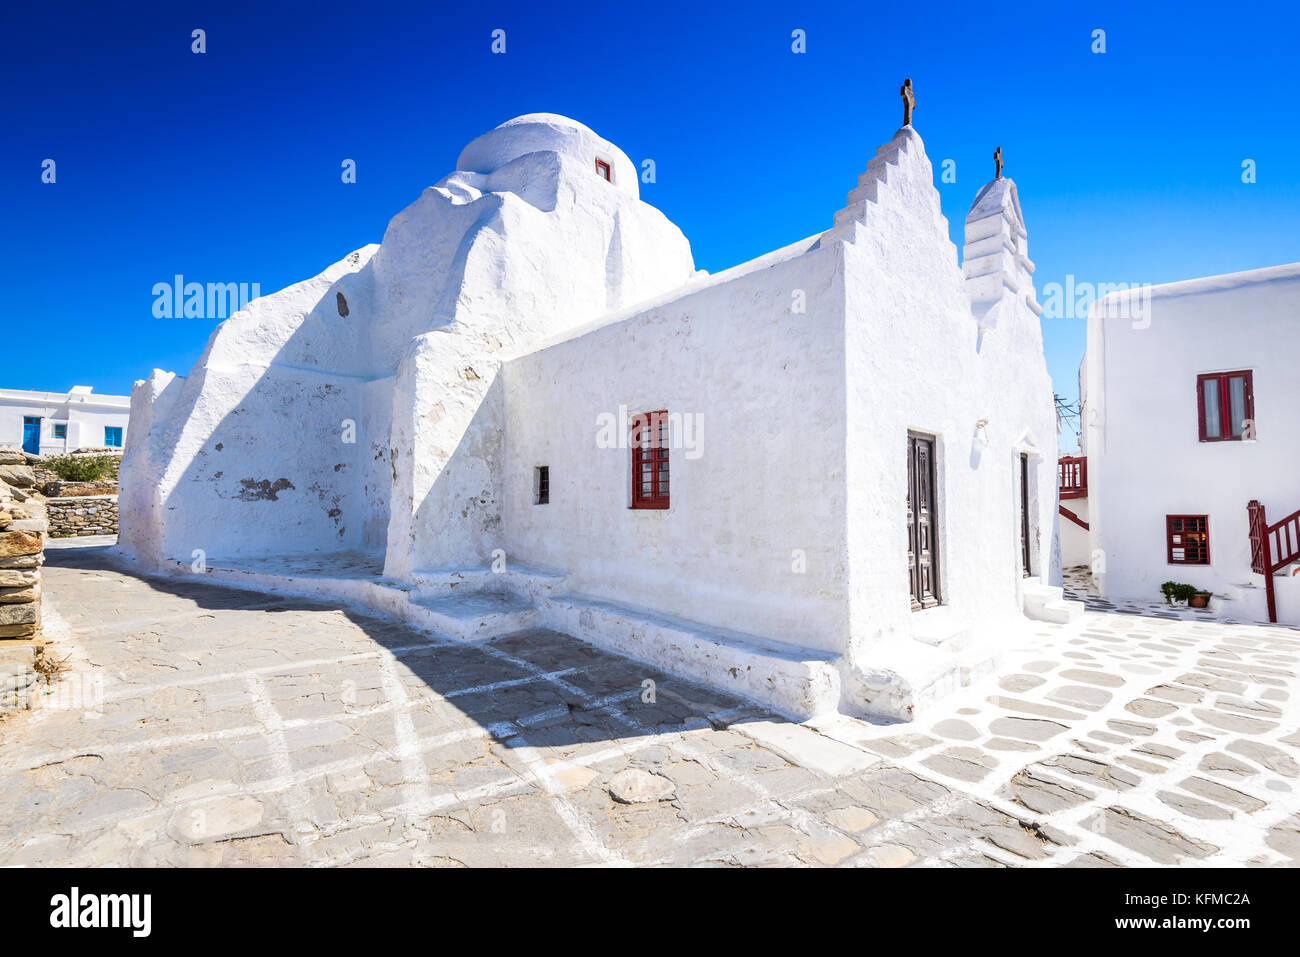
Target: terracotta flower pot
x=1200 y=600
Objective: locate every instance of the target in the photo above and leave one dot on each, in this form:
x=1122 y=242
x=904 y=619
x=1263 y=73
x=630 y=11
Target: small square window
x=602 y=169
x=60 y=430
x=542 y=485
x=1187 y=539
x=113 y=436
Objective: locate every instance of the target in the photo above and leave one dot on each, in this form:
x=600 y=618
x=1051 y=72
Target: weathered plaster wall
x=554 y=246
x=395 y=347
x=756 y=498
x=1145 y=458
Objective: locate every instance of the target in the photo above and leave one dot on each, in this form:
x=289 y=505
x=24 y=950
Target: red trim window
x=1187 y=539
x=602 y=169
x=1225 y=403
x=649 y=440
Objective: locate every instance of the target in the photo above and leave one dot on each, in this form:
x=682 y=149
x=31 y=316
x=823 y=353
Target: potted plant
x=1199 y=599
x=1178 y=591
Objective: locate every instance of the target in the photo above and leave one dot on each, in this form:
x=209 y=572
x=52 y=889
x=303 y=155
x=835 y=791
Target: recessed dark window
x=1187 y=539
x=602 y=169
x=650 y=460
x=1225 y=402
x=542 y=482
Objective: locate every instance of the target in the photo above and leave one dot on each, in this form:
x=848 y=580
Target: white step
x=1048 y=603
x=475 y=614
x=530 y=581
x=797 y=681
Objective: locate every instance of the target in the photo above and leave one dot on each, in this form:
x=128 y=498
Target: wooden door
x=1024 y=516
x=922 y=523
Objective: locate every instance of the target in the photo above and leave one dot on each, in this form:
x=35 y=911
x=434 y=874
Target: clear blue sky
x=225 y=166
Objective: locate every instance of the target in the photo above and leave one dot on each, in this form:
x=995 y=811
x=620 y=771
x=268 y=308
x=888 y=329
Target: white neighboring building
x=1072 y=487
x=51 y=423
x=1192 y=413
x=854 y=505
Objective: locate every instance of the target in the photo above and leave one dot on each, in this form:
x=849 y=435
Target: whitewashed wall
x=252 y=457
x=1145 y=459
x=918 y=359
x=765 y=387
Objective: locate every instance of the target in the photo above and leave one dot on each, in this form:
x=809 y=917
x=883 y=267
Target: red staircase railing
x=1066 y=513
x=1272 y=547
x=1072 y=476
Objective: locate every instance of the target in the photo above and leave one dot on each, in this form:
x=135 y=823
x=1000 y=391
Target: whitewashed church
x=824 y=479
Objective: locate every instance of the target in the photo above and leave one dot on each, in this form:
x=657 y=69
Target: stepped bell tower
x=995 y=258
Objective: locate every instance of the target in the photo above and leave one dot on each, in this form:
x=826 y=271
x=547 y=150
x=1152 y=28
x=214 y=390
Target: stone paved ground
x=230 y=727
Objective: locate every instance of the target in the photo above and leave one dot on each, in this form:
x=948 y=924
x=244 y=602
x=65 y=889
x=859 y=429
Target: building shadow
x=534 y=688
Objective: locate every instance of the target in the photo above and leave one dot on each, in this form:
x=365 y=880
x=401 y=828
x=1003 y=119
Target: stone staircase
x=1048 y=602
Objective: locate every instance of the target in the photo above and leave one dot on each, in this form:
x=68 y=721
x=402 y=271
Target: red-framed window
x=1225 y=403
x=602 y=169
x=1187 y=539
x=649 y=440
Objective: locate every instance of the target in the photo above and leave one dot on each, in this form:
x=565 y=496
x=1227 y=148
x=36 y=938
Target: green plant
x=81 y=468
x=1177 y=591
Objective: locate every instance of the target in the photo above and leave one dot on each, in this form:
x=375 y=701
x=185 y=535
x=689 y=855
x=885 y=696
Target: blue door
x=32 y=434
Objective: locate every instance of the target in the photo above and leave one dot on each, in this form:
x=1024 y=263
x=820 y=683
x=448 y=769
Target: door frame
x=935 y=598
x=1026 y=552
x=1026 y=498
x=39 y=422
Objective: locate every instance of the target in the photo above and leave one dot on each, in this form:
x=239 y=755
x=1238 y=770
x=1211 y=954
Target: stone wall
x=74 y=515
x=23 y=526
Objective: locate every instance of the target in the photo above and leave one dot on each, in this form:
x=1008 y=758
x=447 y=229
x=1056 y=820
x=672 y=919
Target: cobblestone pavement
x=231 y=727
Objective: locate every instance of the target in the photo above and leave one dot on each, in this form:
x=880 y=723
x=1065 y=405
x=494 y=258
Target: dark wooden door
x=1024 y=515
x=922 y=523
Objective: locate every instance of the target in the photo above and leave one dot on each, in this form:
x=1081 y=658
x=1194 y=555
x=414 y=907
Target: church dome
x=549 y=132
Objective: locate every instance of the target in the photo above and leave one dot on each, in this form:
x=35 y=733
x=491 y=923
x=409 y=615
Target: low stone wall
x=22 y=552
x=61 y=489
x=72 y=516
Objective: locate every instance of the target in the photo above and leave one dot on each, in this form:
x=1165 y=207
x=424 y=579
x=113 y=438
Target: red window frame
x=1199 y=533
x=649 y=440
x=1225 y=405
x=602 y=169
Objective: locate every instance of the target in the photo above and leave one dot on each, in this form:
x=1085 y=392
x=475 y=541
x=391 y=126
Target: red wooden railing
x=1066 y=513
x=1272 y=547
x=1072 y=476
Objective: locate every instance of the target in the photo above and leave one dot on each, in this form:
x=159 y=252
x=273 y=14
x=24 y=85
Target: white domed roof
x=547 y=132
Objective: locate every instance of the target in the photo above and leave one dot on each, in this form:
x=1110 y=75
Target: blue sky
x=224 y=167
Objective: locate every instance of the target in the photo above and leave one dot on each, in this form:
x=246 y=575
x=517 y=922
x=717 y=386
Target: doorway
x=32 y=434
x=1025 y=551
x=922 y=522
